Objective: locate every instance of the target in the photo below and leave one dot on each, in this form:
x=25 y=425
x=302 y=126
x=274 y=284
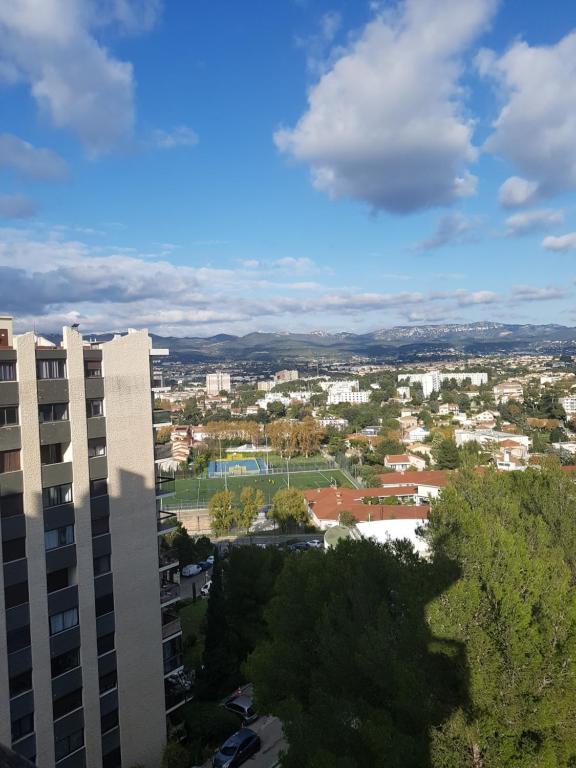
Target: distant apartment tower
x=569 y=404
x=217 y=382
x=432 y=381
x=285 y=375
x=90 y=652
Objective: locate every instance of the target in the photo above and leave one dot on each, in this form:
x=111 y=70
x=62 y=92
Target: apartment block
x=217 y=382
x=90 y=649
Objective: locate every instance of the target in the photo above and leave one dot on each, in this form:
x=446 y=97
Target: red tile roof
x=402 y=458
x=437 y=477
x=328 y=503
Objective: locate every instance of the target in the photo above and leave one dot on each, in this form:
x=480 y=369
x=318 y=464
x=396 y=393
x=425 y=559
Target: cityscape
x=287 y=384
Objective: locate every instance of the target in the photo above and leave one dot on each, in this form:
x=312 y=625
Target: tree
x=289 y=508
x=192 y=413
x=446 y=455
x=176 y=756
x=513 y=606
x=347 y=519
x=222 y=512
x=163 y=435
x=251 y=501
x=276 y=409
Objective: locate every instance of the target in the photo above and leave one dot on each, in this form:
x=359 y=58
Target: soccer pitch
x=198 y=491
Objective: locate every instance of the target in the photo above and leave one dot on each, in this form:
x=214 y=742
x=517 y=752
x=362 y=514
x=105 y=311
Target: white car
x=205 y=591
x=210 y=559
x=315 y=544
x=191 y=570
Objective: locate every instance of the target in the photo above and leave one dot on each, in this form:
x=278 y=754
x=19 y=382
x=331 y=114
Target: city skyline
x=206 y=168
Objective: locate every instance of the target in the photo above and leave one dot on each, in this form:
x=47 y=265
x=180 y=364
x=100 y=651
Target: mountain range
x=397 y=343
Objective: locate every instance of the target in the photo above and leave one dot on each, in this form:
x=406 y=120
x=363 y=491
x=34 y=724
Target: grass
x=200 y=490
x=191 y=618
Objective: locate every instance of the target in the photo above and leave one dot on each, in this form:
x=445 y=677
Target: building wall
x=131 y=486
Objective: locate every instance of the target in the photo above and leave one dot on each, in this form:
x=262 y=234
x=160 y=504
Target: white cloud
x=452 y=229
x=180 y=136
x=76 y=83
x=20 y=156
x=56 y=280
x=533 y=293
x=386 y=124
x=516 y=192
x=537 y=123
x=17 y=207
x=560 y=242
x=527 y=222
x=317 y=44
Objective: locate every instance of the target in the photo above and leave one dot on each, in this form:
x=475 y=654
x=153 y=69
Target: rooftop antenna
x=75 y=326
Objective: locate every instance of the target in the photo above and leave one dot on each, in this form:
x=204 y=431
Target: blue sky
x=200 y=166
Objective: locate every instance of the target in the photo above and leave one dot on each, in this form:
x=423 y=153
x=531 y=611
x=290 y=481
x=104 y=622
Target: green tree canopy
x=289 y=508
x=222 y=512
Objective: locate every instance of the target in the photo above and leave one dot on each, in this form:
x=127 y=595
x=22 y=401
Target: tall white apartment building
x=432 y=381
x=337 y=396
x=90 y=649
x=217 y=382
x=569 y=404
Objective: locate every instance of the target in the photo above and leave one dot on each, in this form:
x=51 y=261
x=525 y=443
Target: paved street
x=187 y=582
x=270 y=731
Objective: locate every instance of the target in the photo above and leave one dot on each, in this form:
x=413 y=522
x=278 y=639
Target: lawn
x=200 y=490
x=191 y=618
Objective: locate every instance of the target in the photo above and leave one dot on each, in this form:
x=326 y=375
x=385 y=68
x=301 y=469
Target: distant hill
x=398 y=343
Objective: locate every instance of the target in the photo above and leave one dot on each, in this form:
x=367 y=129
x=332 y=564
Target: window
x=109 y=721
x=102 y=565
x=100 y=525
x=14 y=549
x=8 y=415
x=96 y=447
x=65 y=662
x=60 y=622
x=104 y=604
x=12 y=505
x=51 y=369
x=22 y=727
x=94 y=408
x=68 y=744
x=51 y=454
x=56 y=494
x=7 y=371
x=108 y=681
x=53 y=412
x=105 y=644
x=93 y=369
x=98 y=488
x=57 y=580
x=67 y=703
x=112 y=759
x=9 y=461
x=18 y=638
x=16 y=594
x=21 y=683
x=59 y=537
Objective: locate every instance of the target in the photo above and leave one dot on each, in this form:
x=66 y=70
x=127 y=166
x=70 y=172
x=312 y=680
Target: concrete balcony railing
x=168 y=558
x=169 y=593
x=171 y=628
x=161 y=417
x=167 y=523
x=165 y=485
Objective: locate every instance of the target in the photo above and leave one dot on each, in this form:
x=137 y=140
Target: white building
x=508 y=390
x=341 y=396
x=569 y=404
x=415 y=435
x=487 y=436
x=266 y=386
x=217 y=382
x=383 y=531
x=403 y=393
x=285 y=375
x=432 y=381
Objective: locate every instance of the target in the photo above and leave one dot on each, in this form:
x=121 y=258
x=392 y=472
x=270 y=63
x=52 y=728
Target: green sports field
x=199 y=490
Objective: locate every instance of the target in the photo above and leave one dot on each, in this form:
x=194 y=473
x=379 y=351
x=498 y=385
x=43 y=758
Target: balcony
x=161 y=418
x=171 y=627
x=167 y=523
x=167 y=558
x=165 y=485
x=169 y=593
x=173 y=663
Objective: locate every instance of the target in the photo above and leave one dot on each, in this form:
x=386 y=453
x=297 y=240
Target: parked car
x=205 y=590
x=205 y=565
x=210 y=559
x=297 y=546
x=191 y=570
x=242 y=706
x=237 y=749
x=315 y=543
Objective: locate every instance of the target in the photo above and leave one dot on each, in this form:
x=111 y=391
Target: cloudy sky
x=207 y=166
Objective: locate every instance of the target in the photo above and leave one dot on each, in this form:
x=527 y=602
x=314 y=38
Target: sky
x=198 y=167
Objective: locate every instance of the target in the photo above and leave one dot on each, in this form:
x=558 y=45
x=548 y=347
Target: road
x=270 y=731
x=187 y=582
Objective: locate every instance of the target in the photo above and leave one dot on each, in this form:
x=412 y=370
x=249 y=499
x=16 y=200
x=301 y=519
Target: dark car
x=237 y=749
x=205 y=565
x=242 y=706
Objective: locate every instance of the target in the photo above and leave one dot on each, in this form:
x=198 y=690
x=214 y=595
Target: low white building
x=403 y=393
x=384 y=531
x=488 y=436
x=415 y=435
x=569 y=404
x=340 y=396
